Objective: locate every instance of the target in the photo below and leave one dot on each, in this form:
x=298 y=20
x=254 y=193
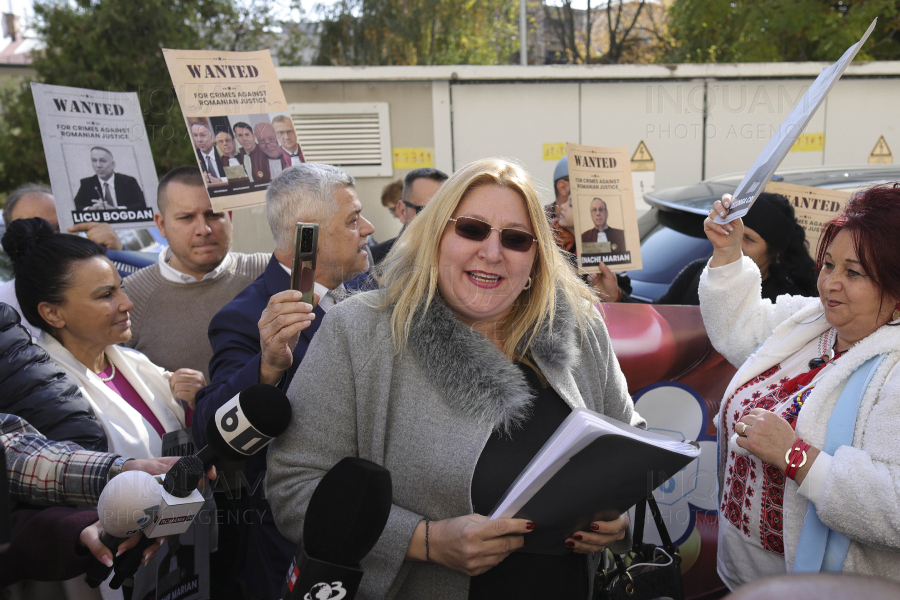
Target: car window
x=665 y=252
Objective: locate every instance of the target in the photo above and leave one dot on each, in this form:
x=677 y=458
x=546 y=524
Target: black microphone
x=246 y=424
x=180 y=481
x=345 y=517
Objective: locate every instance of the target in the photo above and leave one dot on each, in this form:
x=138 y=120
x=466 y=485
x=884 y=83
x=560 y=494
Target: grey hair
x=19 y=193
x=303 y=193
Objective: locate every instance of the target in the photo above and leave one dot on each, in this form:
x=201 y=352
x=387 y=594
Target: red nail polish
x=578 y=537
x=595 y=527
x=529 y=525
x=570 y=543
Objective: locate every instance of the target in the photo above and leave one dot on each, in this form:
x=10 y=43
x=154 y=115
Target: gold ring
x=743 y=430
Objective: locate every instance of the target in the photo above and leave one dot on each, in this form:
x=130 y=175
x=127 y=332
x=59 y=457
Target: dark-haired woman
x=809 y=467
x=773 y=239
x=66 y=286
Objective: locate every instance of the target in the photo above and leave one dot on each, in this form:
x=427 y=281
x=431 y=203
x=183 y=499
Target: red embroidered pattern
x=742 y=473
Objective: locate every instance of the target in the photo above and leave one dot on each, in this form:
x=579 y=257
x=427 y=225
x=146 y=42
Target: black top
x=520 y=575
x=685 y=289
x=38 y=390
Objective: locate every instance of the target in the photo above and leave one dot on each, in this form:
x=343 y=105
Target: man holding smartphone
x=262 y=335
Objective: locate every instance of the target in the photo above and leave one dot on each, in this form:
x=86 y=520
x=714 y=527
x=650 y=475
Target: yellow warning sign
x=881 y=154
x=642 y=160
x=554 y=151
x=809 y=142
x=413 y=158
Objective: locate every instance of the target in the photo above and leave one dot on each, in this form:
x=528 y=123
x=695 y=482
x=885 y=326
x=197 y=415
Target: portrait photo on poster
x=605 y=240
x=240 y=154
x=105 y=184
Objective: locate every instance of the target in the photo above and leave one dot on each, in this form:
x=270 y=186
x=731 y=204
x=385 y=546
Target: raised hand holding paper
x=781 y=142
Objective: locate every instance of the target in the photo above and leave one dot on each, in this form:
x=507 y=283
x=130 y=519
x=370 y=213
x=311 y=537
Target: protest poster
x=238 y=121
x=98 y=156
x=783 y=139
x=813 y=207
x=602 y=191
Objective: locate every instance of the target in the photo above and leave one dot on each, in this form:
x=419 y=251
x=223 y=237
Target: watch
x=116 y=467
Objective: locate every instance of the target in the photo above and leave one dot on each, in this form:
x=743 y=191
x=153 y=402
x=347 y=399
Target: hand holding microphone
x=127 y=505
x=181 y=481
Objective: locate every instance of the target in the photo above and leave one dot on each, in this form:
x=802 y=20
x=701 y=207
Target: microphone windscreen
x=184 y=476
x=215 y=441
x=347 y=512
x=267 y=409
x=128 y=503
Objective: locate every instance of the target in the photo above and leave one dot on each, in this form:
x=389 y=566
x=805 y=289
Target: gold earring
x=896 y=314
x=528 y=287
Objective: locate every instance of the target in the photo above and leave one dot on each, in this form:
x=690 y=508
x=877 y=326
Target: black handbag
x=655 y=571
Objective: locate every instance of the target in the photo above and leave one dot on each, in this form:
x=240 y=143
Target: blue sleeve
x=234 y=365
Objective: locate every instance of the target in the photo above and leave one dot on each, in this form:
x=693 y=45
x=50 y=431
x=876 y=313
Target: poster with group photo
x=606 y=228
x=238 y=122
x=98 y=156
x=813 y=207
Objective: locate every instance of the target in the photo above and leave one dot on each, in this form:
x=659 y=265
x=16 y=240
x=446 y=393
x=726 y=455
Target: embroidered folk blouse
x=751 y=542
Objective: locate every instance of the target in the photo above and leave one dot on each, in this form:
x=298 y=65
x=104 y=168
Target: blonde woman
x=480 y=341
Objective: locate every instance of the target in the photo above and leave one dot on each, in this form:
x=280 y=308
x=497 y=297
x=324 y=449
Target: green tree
x=418 y=32
x=780 y=30
x=116 y=45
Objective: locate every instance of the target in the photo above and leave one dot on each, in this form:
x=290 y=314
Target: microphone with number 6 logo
x=345 y=517
x=246 y=424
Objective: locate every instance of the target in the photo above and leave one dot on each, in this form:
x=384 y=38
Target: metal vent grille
x=353 y=136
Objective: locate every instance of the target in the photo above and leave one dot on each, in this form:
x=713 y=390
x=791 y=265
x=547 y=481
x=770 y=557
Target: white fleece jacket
x=861 y=498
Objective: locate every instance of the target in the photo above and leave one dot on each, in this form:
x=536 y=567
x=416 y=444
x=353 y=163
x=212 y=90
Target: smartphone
x=303 y=267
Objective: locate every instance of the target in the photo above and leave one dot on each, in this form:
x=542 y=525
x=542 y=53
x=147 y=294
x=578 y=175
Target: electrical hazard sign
x=881 y=154
x=642 y=160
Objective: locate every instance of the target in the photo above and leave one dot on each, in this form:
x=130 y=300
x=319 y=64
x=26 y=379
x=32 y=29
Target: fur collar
x=475 y=377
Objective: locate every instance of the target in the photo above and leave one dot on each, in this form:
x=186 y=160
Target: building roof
x=17 y=52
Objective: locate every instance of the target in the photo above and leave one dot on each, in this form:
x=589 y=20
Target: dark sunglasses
x=477 y=230
x=418 y=209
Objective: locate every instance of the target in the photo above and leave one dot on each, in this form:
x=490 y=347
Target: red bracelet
x=795 y=457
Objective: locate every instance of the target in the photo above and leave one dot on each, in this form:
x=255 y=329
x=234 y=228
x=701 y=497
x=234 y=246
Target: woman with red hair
x=809 y=467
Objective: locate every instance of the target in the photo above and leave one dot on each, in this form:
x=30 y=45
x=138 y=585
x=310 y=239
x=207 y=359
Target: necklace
x=801 y=384
x=112 y=375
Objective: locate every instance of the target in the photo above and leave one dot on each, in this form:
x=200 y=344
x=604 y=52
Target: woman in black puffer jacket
x=36 y=389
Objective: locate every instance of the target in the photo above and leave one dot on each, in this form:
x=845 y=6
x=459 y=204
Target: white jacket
x=129 y=433
x=861 y=498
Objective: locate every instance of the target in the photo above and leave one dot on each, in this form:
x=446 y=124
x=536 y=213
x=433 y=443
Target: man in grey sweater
x=175 y=299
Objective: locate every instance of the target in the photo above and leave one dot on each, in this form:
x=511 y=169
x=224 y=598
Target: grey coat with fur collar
x=425 y=415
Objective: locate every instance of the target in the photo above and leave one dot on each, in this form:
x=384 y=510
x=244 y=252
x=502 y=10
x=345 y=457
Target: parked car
x=672 y=231
x=141 y=249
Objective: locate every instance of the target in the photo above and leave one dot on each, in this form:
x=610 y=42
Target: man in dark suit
x=108 y=189
x=262 y=335
x=601 y=232
x=209 y=159
x=419 y=186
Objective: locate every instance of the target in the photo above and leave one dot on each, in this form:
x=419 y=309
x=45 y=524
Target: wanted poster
x=602 y=191
x=238 y=122
x=813 y=207
x=98 y=155
x=783 y=139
